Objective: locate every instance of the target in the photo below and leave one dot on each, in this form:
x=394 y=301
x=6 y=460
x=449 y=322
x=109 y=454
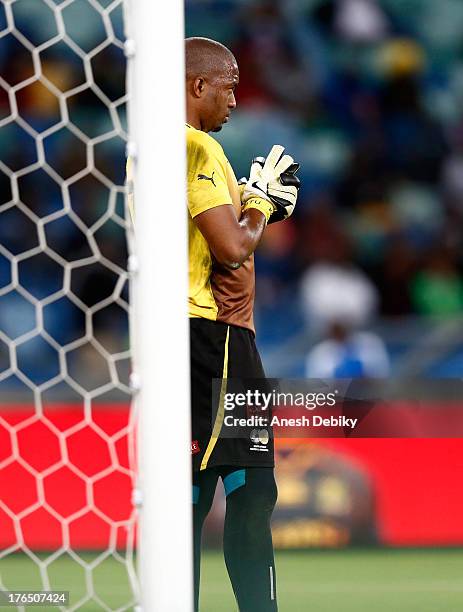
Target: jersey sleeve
x=207 y=177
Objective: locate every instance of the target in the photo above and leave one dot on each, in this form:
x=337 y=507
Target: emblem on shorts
x=259 y=439
x=195 y=447
x=204 y=177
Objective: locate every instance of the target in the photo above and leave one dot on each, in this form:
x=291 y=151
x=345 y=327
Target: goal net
x=67 y=519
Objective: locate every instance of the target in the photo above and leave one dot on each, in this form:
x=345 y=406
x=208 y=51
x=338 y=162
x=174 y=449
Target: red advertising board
x=65 y=478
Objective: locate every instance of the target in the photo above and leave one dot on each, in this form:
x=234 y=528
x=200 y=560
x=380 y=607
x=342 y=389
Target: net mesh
x=66 y=430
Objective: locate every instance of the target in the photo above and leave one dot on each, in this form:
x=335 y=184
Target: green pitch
x=378 y=580
x=428 y=580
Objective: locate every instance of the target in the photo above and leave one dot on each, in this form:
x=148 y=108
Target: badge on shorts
x=259 y=439
x=195 y=447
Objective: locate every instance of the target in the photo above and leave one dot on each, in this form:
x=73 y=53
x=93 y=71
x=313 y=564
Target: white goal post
x=79 y=512
x=160 y=325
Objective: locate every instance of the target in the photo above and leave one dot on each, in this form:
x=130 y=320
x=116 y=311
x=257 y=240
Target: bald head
x=211 y=78
x=206 y=58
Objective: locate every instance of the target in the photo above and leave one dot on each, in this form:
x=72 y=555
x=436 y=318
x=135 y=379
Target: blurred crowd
x=368 y=98
x=366 y=94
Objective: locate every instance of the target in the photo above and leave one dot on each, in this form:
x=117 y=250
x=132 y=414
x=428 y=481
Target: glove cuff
x=265 y=207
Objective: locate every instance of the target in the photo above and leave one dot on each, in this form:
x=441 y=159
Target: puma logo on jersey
x=207 y=178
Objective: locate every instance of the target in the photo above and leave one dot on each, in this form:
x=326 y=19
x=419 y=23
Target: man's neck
x=193 y=120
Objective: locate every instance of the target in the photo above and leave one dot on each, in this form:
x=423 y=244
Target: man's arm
x=267 y=194
x=231 y=240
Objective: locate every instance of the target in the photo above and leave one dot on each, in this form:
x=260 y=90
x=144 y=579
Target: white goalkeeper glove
x=283 y=193
x=272 y=185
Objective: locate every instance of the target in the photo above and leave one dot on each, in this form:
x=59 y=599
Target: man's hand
x=283 y=193
x=264 y=171
x=273 y=180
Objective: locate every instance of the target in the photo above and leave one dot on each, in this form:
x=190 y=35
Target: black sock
x=248 y=545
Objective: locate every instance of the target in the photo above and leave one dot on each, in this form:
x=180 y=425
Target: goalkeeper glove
x=283 y=193
x=272 y=185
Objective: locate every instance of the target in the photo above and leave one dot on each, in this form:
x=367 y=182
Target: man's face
x=219 y=99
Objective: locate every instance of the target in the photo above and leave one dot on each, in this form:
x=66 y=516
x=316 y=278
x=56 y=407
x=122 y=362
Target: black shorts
x=229 y=355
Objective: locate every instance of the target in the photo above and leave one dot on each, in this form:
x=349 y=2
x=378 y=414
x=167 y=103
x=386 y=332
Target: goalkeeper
x=226 y=222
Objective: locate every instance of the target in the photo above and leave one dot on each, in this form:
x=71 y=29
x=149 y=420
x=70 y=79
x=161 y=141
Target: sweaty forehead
x=227 y=71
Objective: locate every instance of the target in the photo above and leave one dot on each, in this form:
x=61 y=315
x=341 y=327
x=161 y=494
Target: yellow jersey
x=215 y=292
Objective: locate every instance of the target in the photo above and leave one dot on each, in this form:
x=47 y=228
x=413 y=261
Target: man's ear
x=198 y=86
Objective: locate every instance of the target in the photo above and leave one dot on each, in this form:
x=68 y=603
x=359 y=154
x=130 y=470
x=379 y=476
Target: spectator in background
x=339 y=300
x=348 y=354
x=438 y=288
x=414 y=140
x=334 y=289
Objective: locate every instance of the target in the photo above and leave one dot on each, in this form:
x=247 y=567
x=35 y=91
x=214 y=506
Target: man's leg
x=204 y=485
x=251 y=496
